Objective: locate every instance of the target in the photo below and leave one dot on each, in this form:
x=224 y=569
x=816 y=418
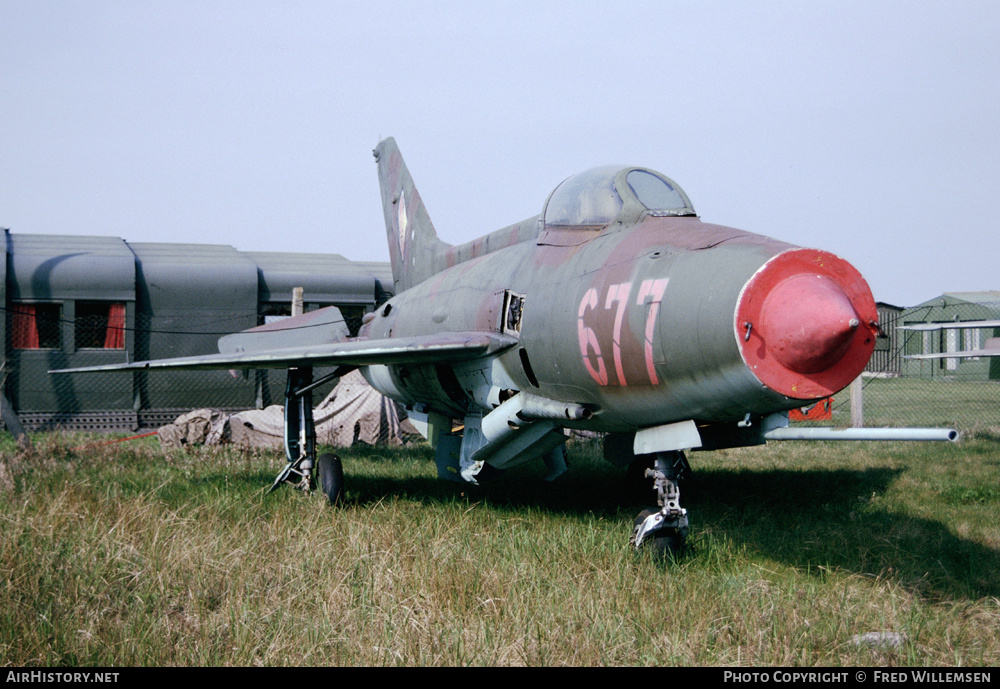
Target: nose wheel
x=664 y=530
x=662 y=543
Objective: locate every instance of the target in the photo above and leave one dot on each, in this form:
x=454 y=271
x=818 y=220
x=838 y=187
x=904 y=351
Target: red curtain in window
x=24 y=326
x=114 y=337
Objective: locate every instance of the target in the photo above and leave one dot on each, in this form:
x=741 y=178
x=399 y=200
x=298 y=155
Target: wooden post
x=297 y=303
x=857 y=404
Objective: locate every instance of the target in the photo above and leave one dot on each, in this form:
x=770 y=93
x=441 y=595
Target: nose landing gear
x=664 y=530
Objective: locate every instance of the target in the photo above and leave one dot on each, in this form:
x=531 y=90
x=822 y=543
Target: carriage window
x=100 y=325
x=36 y=326
x=272 y=312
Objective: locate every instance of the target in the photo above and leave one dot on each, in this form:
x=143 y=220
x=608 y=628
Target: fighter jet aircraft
x=616 y=310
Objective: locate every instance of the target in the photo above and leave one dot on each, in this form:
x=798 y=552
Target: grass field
x=129 y=554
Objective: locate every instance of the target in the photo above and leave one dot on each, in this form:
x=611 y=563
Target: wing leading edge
x=457 y=346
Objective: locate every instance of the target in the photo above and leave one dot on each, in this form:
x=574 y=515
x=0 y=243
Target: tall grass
x=134 y=555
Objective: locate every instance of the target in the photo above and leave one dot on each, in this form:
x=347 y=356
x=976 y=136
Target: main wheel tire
x=331 y=476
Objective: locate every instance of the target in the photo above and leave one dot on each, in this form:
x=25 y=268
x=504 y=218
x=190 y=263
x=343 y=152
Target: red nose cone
x=806 y=324
x=809 y=323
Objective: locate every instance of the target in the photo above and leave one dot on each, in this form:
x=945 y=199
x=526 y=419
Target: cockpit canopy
x=600 y=196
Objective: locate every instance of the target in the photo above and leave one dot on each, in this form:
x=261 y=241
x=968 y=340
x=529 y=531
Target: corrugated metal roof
x=211 y=276
x=70 y=267
x=325 y=278
x=949 y=298
x=172 y=274
x=976 y=297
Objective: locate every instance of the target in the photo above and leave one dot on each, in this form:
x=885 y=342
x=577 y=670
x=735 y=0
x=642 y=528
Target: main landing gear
x=300 y=440
x=664 y=530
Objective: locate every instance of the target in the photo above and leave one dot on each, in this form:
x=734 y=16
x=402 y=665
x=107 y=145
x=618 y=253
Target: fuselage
x=638 y=322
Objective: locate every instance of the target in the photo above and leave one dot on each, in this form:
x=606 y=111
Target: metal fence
x=956 y=391
x=960 y=392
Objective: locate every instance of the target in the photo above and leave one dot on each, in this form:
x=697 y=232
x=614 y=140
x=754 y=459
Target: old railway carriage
x=78 y=301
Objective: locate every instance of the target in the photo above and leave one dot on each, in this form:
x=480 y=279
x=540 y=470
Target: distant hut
x=952 y=307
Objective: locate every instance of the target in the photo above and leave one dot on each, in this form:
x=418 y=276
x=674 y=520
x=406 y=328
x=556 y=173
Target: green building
x=952 y=308
x=79 y=301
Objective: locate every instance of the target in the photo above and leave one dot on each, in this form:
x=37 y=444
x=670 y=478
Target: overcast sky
x=870 y=129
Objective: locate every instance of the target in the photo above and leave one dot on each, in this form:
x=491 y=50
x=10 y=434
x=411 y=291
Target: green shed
x=73 y=301
x=952 y=308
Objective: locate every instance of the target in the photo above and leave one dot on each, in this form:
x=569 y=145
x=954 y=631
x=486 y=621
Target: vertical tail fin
x=415 y=251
